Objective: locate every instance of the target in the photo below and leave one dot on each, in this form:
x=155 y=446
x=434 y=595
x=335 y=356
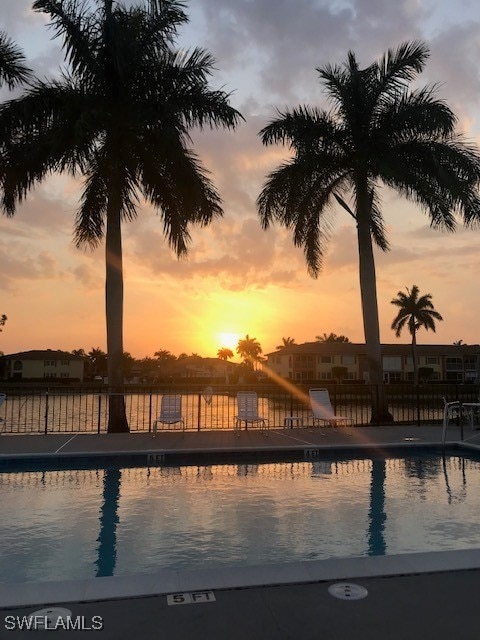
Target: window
x=432 y=360
x=454 y=364
x=49 y=375
x=326 y=359
x=395 y=376
x=454 y=376
x=50 y=363
x=470 y=363
x=348 y=359
x=64 y=375
x=65 y=363
x=307 y=375
x=17 y=365
x=326 y=375
x=392 y=363
x=350 y=375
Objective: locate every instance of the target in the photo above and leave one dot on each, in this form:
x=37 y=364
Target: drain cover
x=48 y=619
x=347 y=591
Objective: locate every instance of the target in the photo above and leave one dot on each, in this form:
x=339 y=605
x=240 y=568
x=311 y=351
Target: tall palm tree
x=414 y=312
x=249 y=349
x=224 y=353
x=12 y=73
x=378 y=131
x=13 y=70
x=331 y=337
x=121 y=116
x=286 y=342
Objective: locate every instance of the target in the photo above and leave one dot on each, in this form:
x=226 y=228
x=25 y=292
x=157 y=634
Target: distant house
x=43 y=365
x=197 y=367
x=321 y=361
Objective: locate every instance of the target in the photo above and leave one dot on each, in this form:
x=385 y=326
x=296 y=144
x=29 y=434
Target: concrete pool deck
x=222 y=442
x=432 y=595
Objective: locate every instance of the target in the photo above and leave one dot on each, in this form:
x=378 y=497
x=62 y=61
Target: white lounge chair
x=247 y=407
x=170 y=412
x=323 y=411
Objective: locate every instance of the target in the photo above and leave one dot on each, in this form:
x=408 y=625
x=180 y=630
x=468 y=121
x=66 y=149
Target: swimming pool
x=85 y=523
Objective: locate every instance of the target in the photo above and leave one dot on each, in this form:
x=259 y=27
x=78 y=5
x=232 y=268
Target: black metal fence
x=75 y=410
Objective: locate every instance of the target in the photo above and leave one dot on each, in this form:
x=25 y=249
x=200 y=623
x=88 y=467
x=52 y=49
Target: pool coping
x=210 y=455
x=169 y=581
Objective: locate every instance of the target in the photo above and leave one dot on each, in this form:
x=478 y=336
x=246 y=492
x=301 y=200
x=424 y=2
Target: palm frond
x=89 y=225
x=305 y=128
x=80 y=29
x=441 y=176
x=401 y=65
x=174 y=181
x=377 y=225
x=416 y=115
x=13 y=70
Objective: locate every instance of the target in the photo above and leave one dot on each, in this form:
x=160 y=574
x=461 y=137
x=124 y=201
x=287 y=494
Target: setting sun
x=229 y=340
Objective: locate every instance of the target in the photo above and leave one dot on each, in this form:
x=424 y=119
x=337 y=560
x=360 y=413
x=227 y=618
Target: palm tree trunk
x=117 y=419
x=414 y=356
x=368 y=290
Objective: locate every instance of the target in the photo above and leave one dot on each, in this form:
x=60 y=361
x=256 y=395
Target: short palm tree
x=286 y=342
x=224 y=353
x=13 y=70
x=414 y=312
x=121 y=117
x=331 y=337
x=378 y=131
x=97 y=359
x=249 y=349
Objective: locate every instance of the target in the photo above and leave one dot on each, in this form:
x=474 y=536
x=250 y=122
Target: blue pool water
x=71 y=524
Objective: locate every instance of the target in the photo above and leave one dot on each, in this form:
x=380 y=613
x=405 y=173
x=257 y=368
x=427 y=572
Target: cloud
x=18 y=263
x=87 y=276
x=236 y=254
x=454 y=63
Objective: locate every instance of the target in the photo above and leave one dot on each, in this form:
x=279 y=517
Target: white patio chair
x=170 y=412
x=247 y=407
x=322 y=409
x=457 y=409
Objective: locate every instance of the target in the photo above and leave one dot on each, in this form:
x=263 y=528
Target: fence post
x=46 y=412
x=199 y=411
x=99 y=417
x=417 y=395
x=150 y=413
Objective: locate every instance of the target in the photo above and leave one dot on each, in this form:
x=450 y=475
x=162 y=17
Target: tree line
x=121 y=113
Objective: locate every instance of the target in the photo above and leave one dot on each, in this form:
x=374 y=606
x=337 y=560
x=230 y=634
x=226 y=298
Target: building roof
x=45 y=354
x=354 y=348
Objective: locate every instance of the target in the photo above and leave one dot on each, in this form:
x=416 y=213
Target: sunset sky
x=238 y=278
